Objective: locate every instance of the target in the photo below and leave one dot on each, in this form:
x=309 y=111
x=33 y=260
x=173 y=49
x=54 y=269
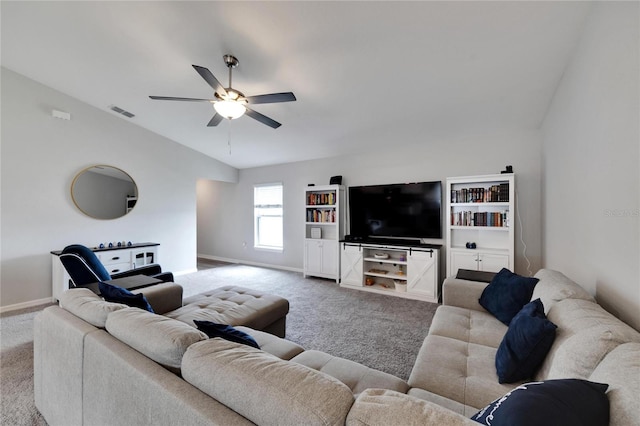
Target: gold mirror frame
x=104 y=192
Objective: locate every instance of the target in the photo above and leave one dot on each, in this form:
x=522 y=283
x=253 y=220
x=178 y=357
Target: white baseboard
x=249 y=263
x=25 y=305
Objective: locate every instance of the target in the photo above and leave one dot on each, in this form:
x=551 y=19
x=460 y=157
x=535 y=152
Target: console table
x=114 y=259
x=397 y=269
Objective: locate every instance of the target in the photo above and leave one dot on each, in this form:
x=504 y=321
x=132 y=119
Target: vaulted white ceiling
x=366 y=74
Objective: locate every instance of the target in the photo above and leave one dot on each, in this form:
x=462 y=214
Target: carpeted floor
x=382 y=332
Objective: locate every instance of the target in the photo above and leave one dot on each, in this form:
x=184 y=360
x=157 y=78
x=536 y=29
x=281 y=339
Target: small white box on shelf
x=316 y=233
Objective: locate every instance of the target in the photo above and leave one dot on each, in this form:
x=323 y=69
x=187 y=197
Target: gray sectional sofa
x=100 y=363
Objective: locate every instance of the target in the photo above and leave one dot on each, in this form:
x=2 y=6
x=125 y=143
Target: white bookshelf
x=480 y=210
x=324 y=228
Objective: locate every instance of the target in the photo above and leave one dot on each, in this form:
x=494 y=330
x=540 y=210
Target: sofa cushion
x=621 y=370
x=525 y=345
x=357 y=376
x=283 y=349
x=263 y=388
x=226 y=332
x=458 y=370
x=553 y=286
x=507 y=294
x=113 y=293
x=387 y=407
x=586 y=334
x=468 y=325
x=162 y=339
x=87 y=305
x=551 y=403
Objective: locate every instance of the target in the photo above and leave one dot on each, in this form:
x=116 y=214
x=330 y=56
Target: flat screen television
x=404 y=210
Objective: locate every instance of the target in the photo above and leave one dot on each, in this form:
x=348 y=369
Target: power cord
x=524 y=250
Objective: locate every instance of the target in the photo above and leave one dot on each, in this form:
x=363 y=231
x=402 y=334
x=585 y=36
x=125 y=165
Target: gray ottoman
x=235 y=305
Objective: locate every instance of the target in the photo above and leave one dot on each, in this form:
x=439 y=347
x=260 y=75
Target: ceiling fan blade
x=215 y=120
x=209 y=78
x=262 y=118
x=271 y=98
x=169 y=98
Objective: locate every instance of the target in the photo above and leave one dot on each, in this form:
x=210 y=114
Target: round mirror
x=104 y=192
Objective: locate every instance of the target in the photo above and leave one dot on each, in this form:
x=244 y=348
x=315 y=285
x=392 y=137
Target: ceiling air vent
x=121 y=111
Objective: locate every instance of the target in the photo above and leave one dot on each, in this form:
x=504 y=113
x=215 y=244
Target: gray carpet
x=382 y=332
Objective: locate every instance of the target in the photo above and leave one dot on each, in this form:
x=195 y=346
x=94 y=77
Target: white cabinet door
x=493 y=262
x=463 y=260
x=321 y=259
x=422 y=273
x=312 y=257
x=329 y=258
x=351 y=268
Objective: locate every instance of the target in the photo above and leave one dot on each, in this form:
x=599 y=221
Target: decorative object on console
x=507 y=294
x=559 y=402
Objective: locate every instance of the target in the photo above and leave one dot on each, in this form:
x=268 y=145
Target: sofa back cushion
x=553 y=286
x=162 y=339
x=87 y=305
x=586 y=333
x=264 y=388
x=620 y=369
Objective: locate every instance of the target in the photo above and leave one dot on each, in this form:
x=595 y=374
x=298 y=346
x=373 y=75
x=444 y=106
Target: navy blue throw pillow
x=112 y=293
x=525 y=345
x=227 y=332
x=565 y=402
x=507 y=294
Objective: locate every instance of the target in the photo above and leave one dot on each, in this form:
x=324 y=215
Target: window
x=267 y=212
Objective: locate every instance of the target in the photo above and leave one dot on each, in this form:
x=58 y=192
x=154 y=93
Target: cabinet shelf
x=391 y=261
x=483 y=204
x=390 y=276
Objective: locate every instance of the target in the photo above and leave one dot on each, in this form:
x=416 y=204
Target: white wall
x=591 y=189
x=42 y=154
x=230 y=234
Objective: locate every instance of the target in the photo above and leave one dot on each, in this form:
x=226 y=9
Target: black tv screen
x=405 y=210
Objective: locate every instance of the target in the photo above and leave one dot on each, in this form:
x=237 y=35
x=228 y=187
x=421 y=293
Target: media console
x=401 y=268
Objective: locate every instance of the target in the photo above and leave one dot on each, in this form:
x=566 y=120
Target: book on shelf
x=321 y=198
x=493 y=194
x=470 y=218
x=321 y=215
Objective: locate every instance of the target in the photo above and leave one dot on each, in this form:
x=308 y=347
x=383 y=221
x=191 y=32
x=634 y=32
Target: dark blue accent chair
x=84 y=267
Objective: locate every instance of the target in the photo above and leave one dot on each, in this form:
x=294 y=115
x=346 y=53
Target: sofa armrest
x=386 y=407
x=462 y=293
x=148 y=270
x=163 y=298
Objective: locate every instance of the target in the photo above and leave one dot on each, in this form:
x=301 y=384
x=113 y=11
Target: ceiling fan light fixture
x=229 y=109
